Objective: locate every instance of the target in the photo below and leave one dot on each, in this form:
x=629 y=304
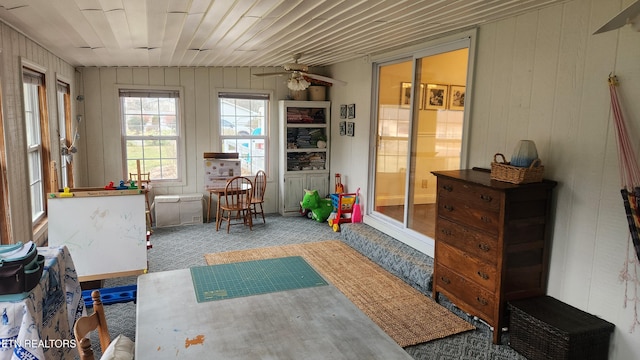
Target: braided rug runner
x=401 y=311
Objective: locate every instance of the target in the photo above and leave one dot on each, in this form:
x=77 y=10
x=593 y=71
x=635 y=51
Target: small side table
x=545 y=328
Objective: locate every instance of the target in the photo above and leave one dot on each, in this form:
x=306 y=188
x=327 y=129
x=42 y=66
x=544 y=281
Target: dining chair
x=257 y=197
x=237 y=203
x=143 y=181
x=121 y=345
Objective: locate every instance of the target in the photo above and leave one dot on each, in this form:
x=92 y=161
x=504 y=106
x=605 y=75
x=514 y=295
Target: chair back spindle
x=86 y=324
x=259 y=189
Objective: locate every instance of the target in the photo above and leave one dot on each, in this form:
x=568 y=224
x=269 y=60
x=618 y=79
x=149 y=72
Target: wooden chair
x=142 y=181
x=120 y=348
x=86 y=324
x=257 y=197
x=237 y=203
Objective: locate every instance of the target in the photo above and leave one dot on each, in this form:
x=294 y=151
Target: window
x=64 y=131
x=37 y=146
x=151 y=133
x=243 y=128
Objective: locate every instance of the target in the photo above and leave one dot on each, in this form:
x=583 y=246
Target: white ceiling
x=242 y=32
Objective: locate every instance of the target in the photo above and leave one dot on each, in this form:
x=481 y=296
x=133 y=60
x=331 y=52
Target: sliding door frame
x=400 y=231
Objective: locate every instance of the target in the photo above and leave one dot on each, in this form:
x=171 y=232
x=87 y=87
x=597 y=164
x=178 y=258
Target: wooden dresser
x=492 y=243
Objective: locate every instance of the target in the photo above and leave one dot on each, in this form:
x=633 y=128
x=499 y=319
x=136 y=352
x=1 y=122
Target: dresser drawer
x=474 y=195
x=472 y=268
x=464 y=212
x=478 y=299
x=478 y=244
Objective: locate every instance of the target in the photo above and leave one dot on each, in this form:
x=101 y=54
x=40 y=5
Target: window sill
x=40 y=232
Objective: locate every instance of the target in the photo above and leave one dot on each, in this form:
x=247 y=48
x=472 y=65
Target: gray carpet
x=185 y=246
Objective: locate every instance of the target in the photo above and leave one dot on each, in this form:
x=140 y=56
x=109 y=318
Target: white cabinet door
x=293 y=192
x=318 y=182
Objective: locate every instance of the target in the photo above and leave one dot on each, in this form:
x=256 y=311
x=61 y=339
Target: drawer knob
x=483 y=247
x=483 y=275
x=486 y=198
x=482 y=301
x=448 y=207
x=445 y=280
x=485 y=219
x=446 y=232
x=448 y=188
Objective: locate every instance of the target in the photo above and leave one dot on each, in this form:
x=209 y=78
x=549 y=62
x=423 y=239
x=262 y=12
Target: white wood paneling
x=244 y=33
x=111 y=129
x=15 y=46
x=542 y=76
x=187 y=81
x=203 y=125
x=547 y=76
x=91 y=107
x=200 y=86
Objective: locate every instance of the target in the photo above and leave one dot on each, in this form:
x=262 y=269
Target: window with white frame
x=152 y=132
x=37 y=148
x=63 y=94
x=243 y=128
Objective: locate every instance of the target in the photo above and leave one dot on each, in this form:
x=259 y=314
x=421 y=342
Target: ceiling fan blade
x=273 y=74
x=325 y=78
x=626 y=16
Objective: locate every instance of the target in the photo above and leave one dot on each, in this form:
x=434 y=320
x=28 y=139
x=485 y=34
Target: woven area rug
x=404 y=313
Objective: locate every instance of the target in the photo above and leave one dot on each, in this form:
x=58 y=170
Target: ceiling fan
x=299 y=75
x=630 y=15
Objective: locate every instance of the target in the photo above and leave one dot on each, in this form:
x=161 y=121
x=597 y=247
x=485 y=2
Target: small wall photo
x=436 y=97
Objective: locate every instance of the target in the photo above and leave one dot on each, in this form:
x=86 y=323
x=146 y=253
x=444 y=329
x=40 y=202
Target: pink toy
x=356 y=215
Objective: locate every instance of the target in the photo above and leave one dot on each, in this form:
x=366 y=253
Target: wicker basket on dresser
x=492 y=243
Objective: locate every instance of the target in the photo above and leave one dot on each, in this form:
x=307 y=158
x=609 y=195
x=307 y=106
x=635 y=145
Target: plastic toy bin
x=174 y=210
x=347 y=201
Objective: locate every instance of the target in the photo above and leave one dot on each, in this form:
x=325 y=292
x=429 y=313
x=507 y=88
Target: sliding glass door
x=420 y=121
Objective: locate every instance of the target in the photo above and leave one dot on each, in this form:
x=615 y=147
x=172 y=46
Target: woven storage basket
x=544 y=328
x=502 y=171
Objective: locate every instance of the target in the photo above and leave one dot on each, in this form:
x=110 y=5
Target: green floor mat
x=226 y=281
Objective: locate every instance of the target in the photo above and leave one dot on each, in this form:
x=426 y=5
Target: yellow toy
x=342 y=207
x=66 y=193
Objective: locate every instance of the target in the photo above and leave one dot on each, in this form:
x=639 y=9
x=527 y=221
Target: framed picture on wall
x=343 y=128
x=405 y=94
x=350 y=128
x=435 y=97
x=351 y=111
x=456 y=97
x=343 y=111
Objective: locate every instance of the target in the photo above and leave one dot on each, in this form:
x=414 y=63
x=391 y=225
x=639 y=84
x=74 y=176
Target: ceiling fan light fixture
x=297 y=82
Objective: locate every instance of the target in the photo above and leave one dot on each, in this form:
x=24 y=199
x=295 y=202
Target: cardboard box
x=218 y=171
x=174 y=210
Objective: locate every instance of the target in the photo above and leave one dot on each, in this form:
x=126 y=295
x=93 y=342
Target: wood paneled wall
x=15 y=47
x=103 y=141
x=539 y=76
x=543 y=76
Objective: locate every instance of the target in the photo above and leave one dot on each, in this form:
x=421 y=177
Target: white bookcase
x=303 y=163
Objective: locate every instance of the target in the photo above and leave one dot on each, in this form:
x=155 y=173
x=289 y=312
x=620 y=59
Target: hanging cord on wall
x=630 y=181
x=629 y=170
x=68 y=151
x=629 y=275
